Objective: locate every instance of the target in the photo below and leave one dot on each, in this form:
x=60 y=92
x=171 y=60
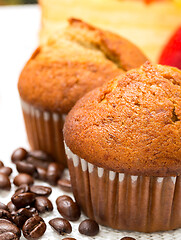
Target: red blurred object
x=171 y=54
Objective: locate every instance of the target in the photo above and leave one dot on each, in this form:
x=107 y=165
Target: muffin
x=71 y=63
x=123 y=146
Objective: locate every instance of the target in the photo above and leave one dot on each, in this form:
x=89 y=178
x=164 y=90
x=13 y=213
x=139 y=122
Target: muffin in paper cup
x=72 y=62
x=123 y=147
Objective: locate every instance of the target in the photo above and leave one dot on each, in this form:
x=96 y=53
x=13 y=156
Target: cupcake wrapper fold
x=123 y=201
x=44 y=131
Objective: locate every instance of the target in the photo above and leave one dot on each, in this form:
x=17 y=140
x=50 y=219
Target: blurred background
x=13 y=2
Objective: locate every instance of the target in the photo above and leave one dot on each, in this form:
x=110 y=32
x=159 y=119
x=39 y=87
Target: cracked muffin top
x=131 y=124
x=73 y=62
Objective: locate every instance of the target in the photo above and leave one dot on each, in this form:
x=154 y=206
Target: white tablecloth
x=19 y=28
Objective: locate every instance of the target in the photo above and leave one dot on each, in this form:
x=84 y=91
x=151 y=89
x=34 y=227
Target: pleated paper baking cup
x=123 y=201
x=44 y=131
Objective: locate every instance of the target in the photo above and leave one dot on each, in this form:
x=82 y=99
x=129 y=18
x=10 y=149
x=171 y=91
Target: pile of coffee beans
x=38 y=164
x=5 y=172
x=22 y=212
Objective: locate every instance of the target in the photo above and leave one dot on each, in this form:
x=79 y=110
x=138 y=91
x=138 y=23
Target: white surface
x=18 y=38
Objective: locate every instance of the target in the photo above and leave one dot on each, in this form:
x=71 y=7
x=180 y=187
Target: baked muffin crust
x=131 y=124
x=73 y=62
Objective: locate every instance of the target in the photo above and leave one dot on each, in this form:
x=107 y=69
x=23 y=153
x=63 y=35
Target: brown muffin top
x=73 y=62
x=131 y=124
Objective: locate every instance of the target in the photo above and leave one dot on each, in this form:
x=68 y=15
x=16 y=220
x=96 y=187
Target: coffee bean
x=34 y=227
x=128 y=238
x=11 y=207
x=18 y=155
x=1 y=164
x=43 y=204
x=38 y=154
x=41 y=190
x=54 y=172
x=24 y=167
x=8 y=236
x=7 y=226
x=42 y=173
x=4 y=182
x=61 y=225
x=69 y=239
x=65 y=185
x=21 y=200
x=89 y=227
x=3 y=206
x=5 y=214
x=23 y=178
x=32 y=210
x=23 y=188
x=6 y=170
x=21 y=216
x=68 y=208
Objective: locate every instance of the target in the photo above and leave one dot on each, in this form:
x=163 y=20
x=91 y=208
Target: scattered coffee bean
x=8 y=236
x=89 y=227
x=7 y=226
x=18 y=155
x=6 y=170
x=23 y=178
x=54 y=172
x=1 y=164
x=21 y=216
x=23 y=188
x=69 y=239
x=21 y=200
x=24 y=167
x=41 y=155
x=65 y=185
x=34 y=227
x=5 y=214
x=42 y=173
x=41 y=190
x=32 y=210
x=128 y=238
x=68 y=208
x=4 y=182
x=3 y=206
x=61 y=225
x=11 y=207
x=43 y=204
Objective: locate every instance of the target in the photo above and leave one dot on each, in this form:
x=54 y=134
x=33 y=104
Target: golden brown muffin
x=75 y=61
x=123 y=146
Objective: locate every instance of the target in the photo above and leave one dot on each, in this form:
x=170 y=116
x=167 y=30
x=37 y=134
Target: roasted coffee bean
x=5 y=214
x=3 y=206
x=32 y=210
x=41 y=155
x=43 y=204
x=21 y=216
x=21 y=200
x=69 y=239
x=7 y=226
x=5 y=183
x=6 y=170
x=41 y=190
x=24 y=167
x=8 y=236
x=23 y=178
x=54 y=172
x=68 y=208
x=11 y=207
x=23 y=188
x=128 y=238
x=18 y=155
x=65 y=185
x=1 y=164
x=41 y=173
x=89 y=227
x=61 y=225
x=34 y=227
